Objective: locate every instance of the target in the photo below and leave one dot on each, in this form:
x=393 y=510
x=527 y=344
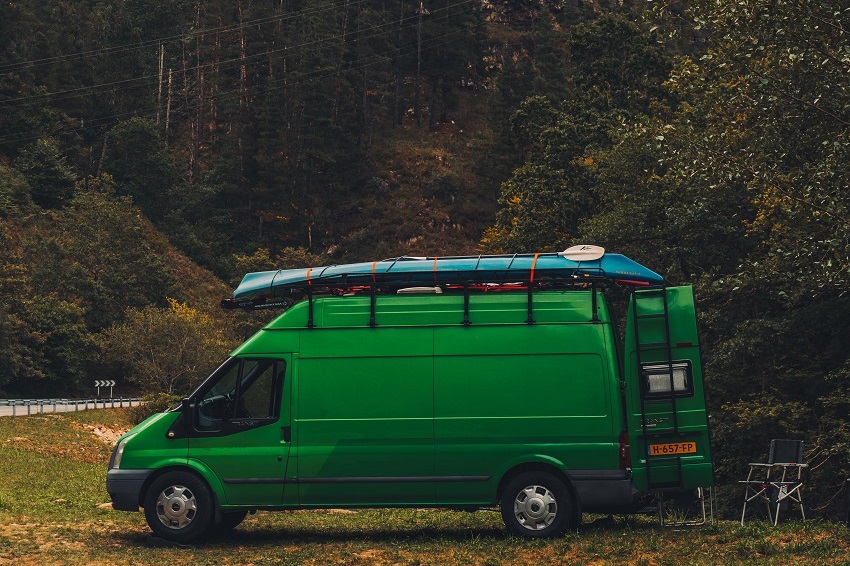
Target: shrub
x=152 y=403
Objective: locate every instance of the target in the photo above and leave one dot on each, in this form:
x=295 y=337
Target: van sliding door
x=364 y=418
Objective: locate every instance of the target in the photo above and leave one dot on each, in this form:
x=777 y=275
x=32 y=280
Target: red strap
x=533 y=264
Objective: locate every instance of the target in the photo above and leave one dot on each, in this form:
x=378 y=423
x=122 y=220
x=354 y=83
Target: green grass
x=52 y=469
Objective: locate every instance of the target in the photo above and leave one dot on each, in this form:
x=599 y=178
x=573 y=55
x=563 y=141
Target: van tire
x=179 y=507
x=536 y=505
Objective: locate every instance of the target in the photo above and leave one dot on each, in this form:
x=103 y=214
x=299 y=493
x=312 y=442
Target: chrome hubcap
x=176 y=507
x=535 y=507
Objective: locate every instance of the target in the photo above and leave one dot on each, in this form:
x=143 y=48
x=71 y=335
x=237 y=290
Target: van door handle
x=286 y=433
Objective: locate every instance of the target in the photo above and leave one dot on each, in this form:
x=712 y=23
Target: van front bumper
x=125 y=488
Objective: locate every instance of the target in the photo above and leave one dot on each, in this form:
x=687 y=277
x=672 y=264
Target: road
x=23 y=407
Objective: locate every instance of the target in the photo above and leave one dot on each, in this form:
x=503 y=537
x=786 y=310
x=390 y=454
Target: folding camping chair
x=777 y=482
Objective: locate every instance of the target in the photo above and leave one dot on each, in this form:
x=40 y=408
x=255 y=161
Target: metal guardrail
x=20 y=407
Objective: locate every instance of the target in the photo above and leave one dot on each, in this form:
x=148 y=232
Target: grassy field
x=52 y=488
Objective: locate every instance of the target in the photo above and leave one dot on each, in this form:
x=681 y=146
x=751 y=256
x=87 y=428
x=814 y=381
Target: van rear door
x=665 y=396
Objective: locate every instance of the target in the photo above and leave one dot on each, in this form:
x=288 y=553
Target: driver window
x=257 y=396
x=242 y=389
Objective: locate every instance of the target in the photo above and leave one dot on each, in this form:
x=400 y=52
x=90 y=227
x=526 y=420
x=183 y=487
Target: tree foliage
x=50 y=178
x=166 y=350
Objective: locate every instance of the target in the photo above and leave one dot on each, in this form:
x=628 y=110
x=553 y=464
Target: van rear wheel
x=536 y=505
x=179 y=507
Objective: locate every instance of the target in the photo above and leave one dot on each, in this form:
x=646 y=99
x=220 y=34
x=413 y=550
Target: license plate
x=672 y=448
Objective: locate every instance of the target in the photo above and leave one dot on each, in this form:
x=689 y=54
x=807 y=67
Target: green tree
x=616 y=68
x=14 y=192
x=97 y=253
x=619 y=65
x=166 y=350
x=50 y=178
x=738 y=185
x=65 y=346
x=140 y=164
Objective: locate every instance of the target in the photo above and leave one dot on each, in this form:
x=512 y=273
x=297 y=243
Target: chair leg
x=784 y=494
x=752 y=494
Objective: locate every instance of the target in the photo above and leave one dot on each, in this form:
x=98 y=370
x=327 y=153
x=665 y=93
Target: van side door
x=364 y=417
x=240 y=429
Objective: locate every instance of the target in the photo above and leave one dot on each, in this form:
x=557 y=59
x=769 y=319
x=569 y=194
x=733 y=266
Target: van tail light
x=625 y=451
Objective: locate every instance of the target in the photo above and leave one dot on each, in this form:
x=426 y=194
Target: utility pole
x=168 y=107
x=397 y=110
x=419 y=12
x=159 y=82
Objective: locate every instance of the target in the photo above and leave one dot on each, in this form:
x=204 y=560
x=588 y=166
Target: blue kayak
x=484 y=269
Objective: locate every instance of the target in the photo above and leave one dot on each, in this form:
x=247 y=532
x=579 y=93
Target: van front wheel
x=536 y=505
x=179 y=507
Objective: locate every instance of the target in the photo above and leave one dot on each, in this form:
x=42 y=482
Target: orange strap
x=374 y=266
x=533 y=264
x=435 y=270
x=308 y=276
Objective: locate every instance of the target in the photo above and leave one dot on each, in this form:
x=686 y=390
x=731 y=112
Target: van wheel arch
x=549 y=469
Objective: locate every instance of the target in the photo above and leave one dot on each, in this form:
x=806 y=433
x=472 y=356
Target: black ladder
x=643 y=350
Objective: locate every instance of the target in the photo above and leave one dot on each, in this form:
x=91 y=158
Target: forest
x=153 y=151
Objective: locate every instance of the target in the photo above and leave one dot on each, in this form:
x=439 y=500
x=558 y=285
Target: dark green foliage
x=50 y=178
x=65 y=275
x=97 y=250
x=14 y=192
x=619 y=66
x=141 y=165
x=63 y=345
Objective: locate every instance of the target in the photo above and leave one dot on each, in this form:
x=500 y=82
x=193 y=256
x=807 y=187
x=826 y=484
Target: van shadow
x=279 y=535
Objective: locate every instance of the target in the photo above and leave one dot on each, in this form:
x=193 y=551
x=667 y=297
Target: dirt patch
x=109 y=435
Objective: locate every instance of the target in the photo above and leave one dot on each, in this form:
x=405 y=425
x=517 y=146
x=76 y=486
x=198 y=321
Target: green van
x=463 y=394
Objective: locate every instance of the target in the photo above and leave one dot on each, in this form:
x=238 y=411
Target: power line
x=174 y=38
x=130 y=83
x=232 y=94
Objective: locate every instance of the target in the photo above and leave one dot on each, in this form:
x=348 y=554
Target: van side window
x=243 y=392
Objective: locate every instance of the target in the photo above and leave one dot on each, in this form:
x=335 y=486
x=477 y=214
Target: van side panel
x=365 y=417
x=510 y=395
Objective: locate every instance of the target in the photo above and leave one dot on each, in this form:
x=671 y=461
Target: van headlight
x=117 y=452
